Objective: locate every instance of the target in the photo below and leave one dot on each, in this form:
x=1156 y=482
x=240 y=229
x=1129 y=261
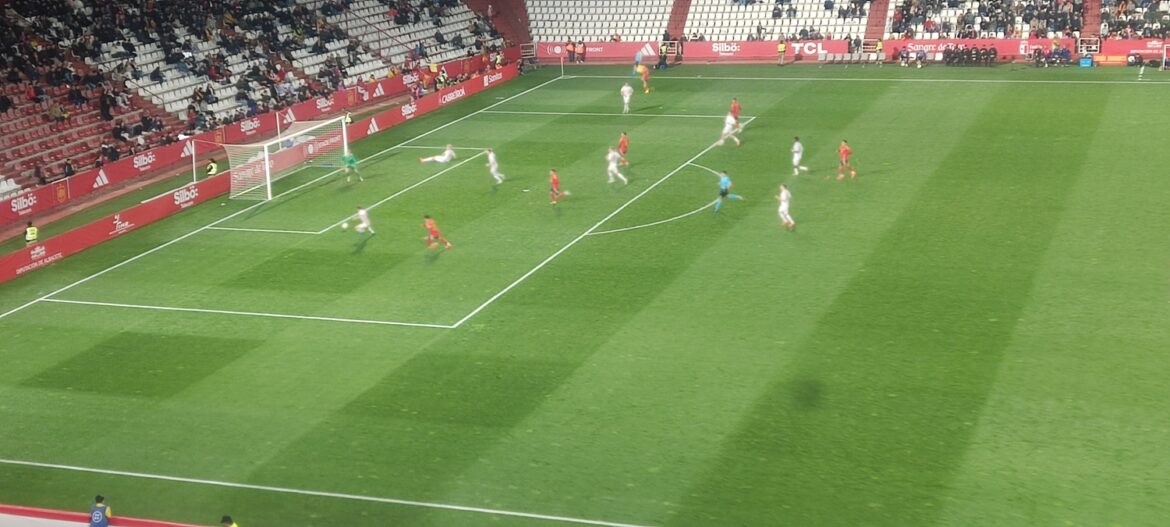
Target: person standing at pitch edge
x=228 y=522
x=30 y=234
x=99 y=513
x=212 y=168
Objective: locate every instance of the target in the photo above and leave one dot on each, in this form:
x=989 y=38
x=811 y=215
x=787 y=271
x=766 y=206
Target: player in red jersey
x=554 y=186
x=844 y=152
x=434 y=237
x=645 y=77
x=623 y=147
x=735 y=109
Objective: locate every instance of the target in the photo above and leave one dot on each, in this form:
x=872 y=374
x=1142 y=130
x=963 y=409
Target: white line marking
x=595 y=114
x=403 y=191
x=250 y=207
x=659 y=222
x=444 y=146
x=875 y=79
x=279 y=231
x=582 y=236
x=338 y=495
x=249 y=313
x=708 y=169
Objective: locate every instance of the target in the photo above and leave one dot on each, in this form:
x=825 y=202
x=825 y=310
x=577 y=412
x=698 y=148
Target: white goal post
x=255 y=167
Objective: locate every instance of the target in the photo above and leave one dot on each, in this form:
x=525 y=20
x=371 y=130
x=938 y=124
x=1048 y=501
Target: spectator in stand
x=581 y=52
x=35 y=94
x=5 y=103
x=68 y=168
x=106 y=104
x=120 y=132
x=57 y=113
x=39 y=176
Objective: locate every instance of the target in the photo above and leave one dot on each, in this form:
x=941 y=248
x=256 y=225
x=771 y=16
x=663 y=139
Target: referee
x=30 y=234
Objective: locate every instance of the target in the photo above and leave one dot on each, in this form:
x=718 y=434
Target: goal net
x=256 y=167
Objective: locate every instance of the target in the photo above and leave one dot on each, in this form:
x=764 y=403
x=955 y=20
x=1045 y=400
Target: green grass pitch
x=973 y=332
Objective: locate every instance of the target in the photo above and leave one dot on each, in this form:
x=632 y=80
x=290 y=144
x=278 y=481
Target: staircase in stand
x=510 y=18
x=879 y=15
x=1092 y=19
x=678 y=18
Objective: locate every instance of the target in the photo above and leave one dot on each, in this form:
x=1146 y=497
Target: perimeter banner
x=1003 y=47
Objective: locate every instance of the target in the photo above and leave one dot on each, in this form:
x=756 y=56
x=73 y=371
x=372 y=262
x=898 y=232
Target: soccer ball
x=344 y=226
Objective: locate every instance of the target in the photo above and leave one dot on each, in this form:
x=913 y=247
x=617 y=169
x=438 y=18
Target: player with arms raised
x=624 y=147
x=785 y=198
x=613 y=157
x=494 y=166
x=434 y=237
x=445 y=157
x=729 y=125
x=627 y=92
x=797 y=154
x=844 y=152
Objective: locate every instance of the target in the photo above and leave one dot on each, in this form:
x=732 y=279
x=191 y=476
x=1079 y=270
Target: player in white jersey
x=627 y=92
x=797 y=153
x=494 y=166
x=729 y=130
x=445 y=157
x=363 y=219
x=785 y=199
x=613 y=157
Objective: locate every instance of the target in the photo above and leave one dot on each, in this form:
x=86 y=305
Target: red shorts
x=434 y=235
x=623 y=149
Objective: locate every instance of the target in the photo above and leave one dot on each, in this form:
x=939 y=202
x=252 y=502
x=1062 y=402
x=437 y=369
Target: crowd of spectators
x=1126 y=19
x=989 y=19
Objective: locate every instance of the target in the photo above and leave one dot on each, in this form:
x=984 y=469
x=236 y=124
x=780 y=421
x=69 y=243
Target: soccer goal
x=255 y=167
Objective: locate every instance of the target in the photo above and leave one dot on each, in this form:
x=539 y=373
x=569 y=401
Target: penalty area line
x=249 y=313
x=321 y=494
x=278 y=231
x=659 y=222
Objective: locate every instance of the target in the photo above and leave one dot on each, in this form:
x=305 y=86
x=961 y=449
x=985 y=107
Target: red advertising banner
x=36 y=515
x=33 y=202
x=1148 y=48
x=760 y=50
x=1004 y=48
x=606 y=51
x=53 y=249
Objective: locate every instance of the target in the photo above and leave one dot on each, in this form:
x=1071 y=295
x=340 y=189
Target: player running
x=797 y=153
x=554 y=186
x=725 y=191
x=434 y=237
x=729 y=125
x=735 y=109
x=627 y=92
x=494 y=166
x=785 y=198
x=445 y=157
x=624 y=147
x=645 y=72
x=844 y=152
x=350 y=162
x=613 y=157
x=363 y=219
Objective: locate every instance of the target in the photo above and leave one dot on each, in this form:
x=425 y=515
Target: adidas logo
x=373 y=127
x=378 y=92
x=101 y=180
x=289 y=116
x=188 y=149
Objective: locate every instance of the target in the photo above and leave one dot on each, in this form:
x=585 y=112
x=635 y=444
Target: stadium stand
x=56 y=108
x=787 y=19
x=632 y=20
x=986 y=19
x=405 y=31
x=1144 y=19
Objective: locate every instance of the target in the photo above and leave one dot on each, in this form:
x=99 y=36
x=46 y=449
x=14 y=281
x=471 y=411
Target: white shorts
x=728 y=129
x=625 y=99
x=362 y=227
x=783 y=210
x=493 y=167
x=796 y=160
x=612 y=167
x=445 y=158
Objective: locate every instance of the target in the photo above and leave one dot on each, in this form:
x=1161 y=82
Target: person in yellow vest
x=212 y=168
x=348 y=118
x=30 y=234
x=878 y=50
x=780 y=49
x=228 y=522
